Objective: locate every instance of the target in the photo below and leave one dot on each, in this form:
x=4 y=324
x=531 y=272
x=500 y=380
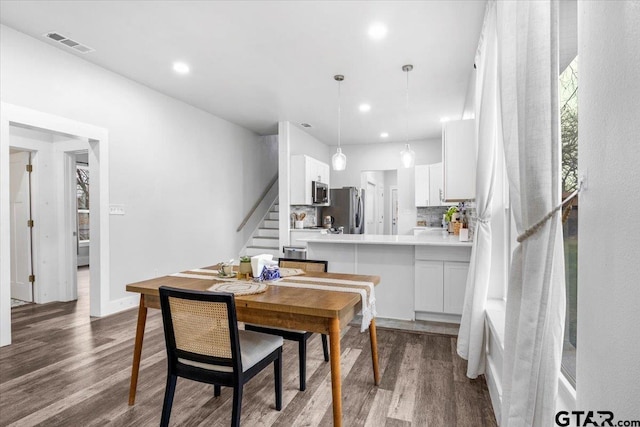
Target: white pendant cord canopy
x=339 y=160
x=407 y=155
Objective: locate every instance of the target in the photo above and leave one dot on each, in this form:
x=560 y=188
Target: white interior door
x=370 y=215
x=394 y=211
x=380 y=209
x=20 y=201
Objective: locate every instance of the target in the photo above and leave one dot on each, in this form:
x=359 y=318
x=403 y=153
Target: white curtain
x=528 y=78
x=471 y=334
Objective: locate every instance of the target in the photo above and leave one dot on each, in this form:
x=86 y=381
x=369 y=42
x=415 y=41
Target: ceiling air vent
x=57 y=37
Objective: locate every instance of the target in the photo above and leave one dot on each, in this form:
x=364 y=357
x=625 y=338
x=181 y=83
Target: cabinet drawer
x=443 y=253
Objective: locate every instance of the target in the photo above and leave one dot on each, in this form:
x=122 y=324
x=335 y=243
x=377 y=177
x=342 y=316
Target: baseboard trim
x=122 y=304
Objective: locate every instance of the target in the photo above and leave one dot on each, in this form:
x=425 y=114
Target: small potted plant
x=450 y=217
x=245 y=266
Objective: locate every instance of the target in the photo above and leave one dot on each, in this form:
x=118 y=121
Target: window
x=82 y=191
x=569 y=126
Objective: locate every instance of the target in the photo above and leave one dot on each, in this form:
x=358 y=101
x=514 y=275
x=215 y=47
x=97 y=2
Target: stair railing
x=257 y=203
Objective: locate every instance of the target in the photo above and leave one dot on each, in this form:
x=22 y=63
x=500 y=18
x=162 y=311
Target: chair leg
x=237 y=405
x=325 y=347
x=168 y=400
x=277 y=374
x=302 y=361
x=216 y=390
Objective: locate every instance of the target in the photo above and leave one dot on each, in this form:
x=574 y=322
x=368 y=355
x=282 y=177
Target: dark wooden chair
x=300 y=336
x=205 y=345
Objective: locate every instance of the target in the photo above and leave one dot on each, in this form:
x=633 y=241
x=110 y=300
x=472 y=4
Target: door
x=394 y=211
x=370 y=209
x=20 y=204
x=380 y=210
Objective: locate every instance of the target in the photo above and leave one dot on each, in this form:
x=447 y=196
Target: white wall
x=386 y=156
x=608 y=293
x=382 y=156
x=186 y=177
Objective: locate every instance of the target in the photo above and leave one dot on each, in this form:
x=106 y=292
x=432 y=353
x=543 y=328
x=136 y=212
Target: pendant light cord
x=339 y=111
x=407 y=129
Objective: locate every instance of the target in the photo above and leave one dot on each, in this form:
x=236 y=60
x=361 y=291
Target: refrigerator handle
x=359 y=211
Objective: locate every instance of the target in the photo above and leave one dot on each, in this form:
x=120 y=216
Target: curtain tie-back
x=538 y=225
x=483 y=220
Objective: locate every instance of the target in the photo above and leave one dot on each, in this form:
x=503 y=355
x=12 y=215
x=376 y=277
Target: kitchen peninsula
x=423 y=277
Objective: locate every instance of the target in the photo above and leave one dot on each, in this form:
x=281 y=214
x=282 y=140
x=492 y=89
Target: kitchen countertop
x=308 y=229
x=432 y=238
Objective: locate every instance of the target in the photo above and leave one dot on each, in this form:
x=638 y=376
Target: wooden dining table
x=315 y=310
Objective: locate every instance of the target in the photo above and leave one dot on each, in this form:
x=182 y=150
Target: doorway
x=54 y=246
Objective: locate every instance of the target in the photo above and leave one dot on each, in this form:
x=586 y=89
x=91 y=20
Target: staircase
x=265 y=238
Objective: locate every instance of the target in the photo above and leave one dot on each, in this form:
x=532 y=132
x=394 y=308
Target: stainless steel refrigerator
x=346 y=209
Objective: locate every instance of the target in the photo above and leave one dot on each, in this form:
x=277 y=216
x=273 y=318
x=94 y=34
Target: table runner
x=364 y=289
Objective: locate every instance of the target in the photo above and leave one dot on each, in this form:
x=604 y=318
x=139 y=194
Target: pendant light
x=407 y=155
x=339 y=160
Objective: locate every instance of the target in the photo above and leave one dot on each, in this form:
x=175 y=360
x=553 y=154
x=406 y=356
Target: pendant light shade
x=339 y=160
x=407 y=156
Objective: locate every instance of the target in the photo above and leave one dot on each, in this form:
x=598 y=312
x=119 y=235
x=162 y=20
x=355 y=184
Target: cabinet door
x=428 y=286
x=299 y=190
x=459 y=160
x=455 y=283
x=435 y=184
x=422 y=185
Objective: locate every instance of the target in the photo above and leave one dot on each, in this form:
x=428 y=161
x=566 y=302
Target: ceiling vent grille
x=72 y=44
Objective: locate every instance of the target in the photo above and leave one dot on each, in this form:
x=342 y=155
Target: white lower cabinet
x=429 y=283
x=455 y=283
x=440 y=282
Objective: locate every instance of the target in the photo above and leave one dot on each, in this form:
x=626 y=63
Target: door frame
x=392 y=189
x=99 y=211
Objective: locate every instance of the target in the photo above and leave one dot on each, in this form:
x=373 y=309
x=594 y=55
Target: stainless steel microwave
x=319 y=193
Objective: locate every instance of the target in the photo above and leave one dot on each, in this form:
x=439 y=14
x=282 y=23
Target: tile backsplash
x=312 y=215
x=431 y=216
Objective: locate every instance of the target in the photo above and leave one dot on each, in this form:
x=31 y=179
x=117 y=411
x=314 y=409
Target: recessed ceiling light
x=377 y=31
x=181 y=68
x=305 y=125
x=384 y=135
x=444 y=119
x=364 y=107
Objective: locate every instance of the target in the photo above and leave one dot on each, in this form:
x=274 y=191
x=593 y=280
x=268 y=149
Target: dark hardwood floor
x=65 y=369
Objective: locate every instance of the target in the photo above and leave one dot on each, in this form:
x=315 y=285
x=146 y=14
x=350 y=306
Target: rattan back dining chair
x=301 y=337
x=204 y=344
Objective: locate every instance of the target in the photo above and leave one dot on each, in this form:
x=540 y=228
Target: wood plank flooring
x=65 y=369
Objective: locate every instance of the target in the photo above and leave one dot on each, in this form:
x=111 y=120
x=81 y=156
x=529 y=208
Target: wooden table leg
x=336 y=386
x=137 y=350
x=373 y=336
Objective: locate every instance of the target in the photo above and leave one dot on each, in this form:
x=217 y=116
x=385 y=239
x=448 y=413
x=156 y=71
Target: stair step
x=273 y=216
x=275 y=208
x=267 y=232
x=270 y=223
x=270 y=242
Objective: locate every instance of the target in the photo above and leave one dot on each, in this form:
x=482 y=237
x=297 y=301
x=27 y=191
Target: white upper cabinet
x=304 y=170
x=435 y=184
x=428 y=185
x=422 y=185
x=459 y=160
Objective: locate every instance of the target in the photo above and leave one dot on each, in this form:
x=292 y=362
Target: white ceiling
x=255 y=63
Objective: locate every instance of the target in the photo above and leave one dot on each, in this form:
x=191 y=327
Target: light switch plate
x=116 y=210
